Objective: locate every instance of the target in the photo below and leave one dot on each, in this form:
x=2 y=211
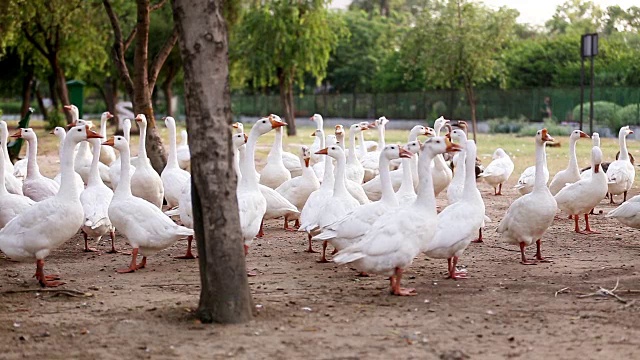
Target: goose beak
x=311 y=118
x=67 y=107
x=545 y=135
x=109 y=115
x=235 y=125
x=91 y=134
x=596 y=168
x=52 y=132
x=324 y=151
x=139 y=118
x=372 y=125
x=275 y=123
x=245 y=138
x=17 y=134
x=313 y=133
x=405 y=153
x=451 y=147
x=630 y=132
x=306 y=162
x=110 y=142
x=584 y=135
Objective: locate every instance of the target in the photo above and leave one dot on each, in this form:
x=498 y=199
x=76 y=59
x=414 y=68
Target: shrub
x=604 y=113
x=506 y=125
x=628 y=115
x=553 y=128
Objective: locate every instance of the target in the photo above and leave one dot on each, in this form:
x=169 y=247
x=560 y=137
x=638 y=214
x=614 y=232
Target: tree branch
x=34 y=42
x=158 y=5
x=130 y=38
x=161 y=57
x=119 y=49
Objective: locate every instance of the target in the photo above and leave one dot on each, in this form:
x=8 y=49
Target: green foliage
x=628 y=115
x=506 y=125
x=604 y=113
x=437 y=109
x=55 y=118
x=551 y=126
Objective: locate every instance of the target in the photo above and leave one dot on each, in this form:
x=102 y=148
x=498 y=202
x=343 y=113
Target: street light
x=588 y=49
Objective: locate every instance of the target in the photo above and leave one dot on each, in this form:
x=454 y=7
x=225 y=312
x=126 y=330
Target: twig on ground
x=604 y=292
x=561 y=291
x=176 y=284
x=55 y=292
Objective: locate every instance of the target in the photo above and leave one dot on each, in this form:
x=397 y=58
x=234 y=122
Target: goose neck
x=124 y=186
x=541 y=163
x=381 y=142
x=426 y=195
x=68 y=189
x=340 y=186
x=573 y=160
x=3 y=187
x=94 y=173
x=352 y=144
x=622 y=140
x=363 y=148
x=248 y=166
x=32 y=164
x=172 y=159
x=276 y=149
x=470 y=186
x=142 y=147
x=388 y=195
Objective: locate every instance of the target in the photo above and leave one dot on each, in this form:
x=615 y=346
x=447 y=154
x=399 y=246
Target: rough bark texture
x=225 y=296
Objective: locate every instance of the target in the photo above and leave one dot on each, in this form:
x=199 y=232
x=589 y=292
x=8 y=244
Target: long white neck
x=470 y=187
x=541 y=163
x=363 y=148
x=388 y=195
x=407 y=175
x=124 y=186
x=68 y=188
x=307 y=172
x=236 y=162
x=319 y=123
x=413 y=135
x=340 y=187
x=103 y=128
x=460 y=170
x=573 y=160
x=624 y=155
x=32 y=165
x=61 y=137
x=329 y=178
x=3 y=187
x=172 y=159
x=352 y=145
x=94 y=173
x=5 y=138
x=248 y=166
x=276 y=150
x=426 y=195
x=381 y=142
x=142 y=147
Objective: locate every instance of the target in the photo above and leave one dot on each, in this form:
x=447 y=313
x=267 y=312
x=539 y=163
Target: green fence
x=451 y=103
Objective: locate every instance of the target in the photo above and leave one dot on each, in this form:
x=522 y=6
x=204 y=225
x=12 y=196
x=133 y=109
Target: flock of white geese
x=374 y=203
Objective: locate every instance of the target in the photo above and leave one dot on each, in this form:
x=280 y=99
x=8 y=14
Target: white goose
x=184 y=154
x=147 y=229
x=35 y=186
x=84 y=157
x=370 y=160
x=341 y=202
x=595 y=141
x=174 y=179
x=24 y=238
x=145 y=181
x=572 y=173
x=114 y=169
x=529 y=216
x=355 y=169
x=627 y=213
x=442 y=173
x=107 y=154
x=274 y=172
x=11 y=205
x=95 y=201
x=621 y=172
x=13 y=185
x=366 y=145
x=318 y=167
x=459 y=223
x=413 y=136
x=298 y=189
x=406 y=194
x=60 y=133
x=528 y=178
x=580 y=197
x=397 y=237
x=498 y=171
x=355 y=224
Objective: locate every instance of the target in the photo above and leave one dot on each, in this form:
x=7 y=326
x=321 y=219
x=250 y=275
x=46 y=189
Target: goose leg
x=261 y=232
x=587 y=229
x=189 y=254
x=611 y=199
x=625 y=197
x=46 y=280
x=453 y=270
x=113 y=247
x=539 y=257
x=310 y=249
x=86 y=243
x=479 y=239
x=499 y=192
x=286 y=225
x=133 y=265
x=323 y=259
x=523 y=259
x=577 y=228
x=397 y=290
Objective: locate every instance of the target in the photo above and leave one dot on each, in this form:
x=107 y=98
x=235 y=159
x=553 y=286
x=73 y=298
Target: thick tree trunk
x=61 y=84
x=225 y=296
x=286 y=99
x=27 y=86
x=471 y=97
x=43 y=110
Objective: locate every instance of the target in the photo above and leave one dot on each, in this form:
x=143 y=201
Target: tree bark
x=43 y=110
x=225 y=296
x=51 y=79
x=286 y=99
x=27 y=86
x=167 y=88
x=471 y=97
x=111 y=98
x=61 y=83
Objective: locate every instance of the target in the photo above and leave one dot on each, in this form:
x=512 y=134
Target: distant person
x=546 y=109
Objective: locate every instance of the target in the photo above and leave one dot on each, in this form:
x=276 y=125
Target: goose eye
x=264 y=121
x=79 y=130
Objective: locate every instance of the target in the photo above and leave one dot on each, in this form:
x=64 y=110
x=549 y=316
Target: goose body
x=145 y=181
x=298 y=189
x=25 y=239
x=174 y=179
x=527 y=179
x=183 y=152
x=397 y=237
x=628 y=213
x=11 y=205
x=621 y=172
x=572 y=173
x=12 y=183
x=114 y=169
x=498 y=171
x=36 y=186
x=529 y=216
x=61 y=134
x=274 y=172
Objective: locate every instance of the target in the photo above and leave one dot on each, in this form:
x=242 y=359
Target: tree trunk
x=61 y=84
x=52 y=90
x=27 y=86
x=167 y=89
x=471 y=97
x=286 y=99
x=43 y=110
x=225 y=296
x=111 y=98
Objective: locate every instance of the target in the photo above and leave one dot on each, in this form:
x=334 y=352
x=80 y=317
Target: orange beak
x=584 y=135
x=596 y=168
x=110 y=142
x=451 y=147
x=324 y=151
x=138 y=118
x=311 y=118
x=405 y=153
x=235 y=125
x=371 y=125
x=630 y=131
x=245 y=138
x=67 y=107
x=546 y=137
x=17 y=134
x=313 y=133
x=52 y=132
x=306 y=162
x=109 y=115
x=275 y=123
x=92 y=134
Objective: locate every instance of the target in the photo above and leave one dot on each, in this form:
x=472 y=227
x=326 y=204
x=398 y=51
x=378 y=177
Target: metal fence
x=431 y=104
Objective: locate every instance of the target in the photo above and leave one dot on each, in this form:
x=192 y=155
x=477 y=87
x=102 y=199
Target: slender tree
x=225 y=296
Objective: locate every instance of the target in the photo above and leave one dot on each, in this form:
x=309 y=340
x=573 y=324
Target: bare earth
x=306 y=309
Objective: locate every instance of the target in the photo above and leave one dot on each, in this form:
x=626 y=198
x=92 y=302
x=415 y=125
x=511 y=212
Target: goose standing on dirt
x=11 y=205
x=274 y=172
x=628 y=213
x=60 y=133
x=298 y=189
x=498 y=171
x=529 y=216
x=572 y=173
x=621 y=172
x=95 y=201
x=459 y=223
x=50 y=222
x=36 y=186
x=184 y=154
x=174 y=179
x=145 y=181
x=114 y=169
x=398 y=236
x=13 y=185
x=147 y=229
x=580 y=197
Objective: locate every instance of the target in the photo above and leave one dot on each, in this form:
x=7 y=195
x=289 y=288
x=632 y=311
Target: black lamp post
x=588 y=49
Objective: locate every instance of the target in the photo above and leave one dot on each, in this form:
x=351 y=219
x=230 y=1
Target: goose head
x=106 y=116
x=625 y=131
x=80 y=122
x=595 y=139
x=542 y=136
x=317 y=118
x=339 y=130
x=499 y=154
x=413 y=146
x=81 y=133
x=73 y=110
x=463 y=125
x=141 y=119
x=331 y=140
x=418 y=130
x=439 y=123
x=305 y=155
x=358 y=128
x=577 y=134
x=333 y=151
x=596 y=159
x=318 y=133
x=239 y=139
x=238 y=126
x=458 y=135
x=266 y=124
x=59 y=132
x=382 y=121
x=431 y=132
x=396 y=151
x=169 y=121
x=24 y=133
x=439 y=145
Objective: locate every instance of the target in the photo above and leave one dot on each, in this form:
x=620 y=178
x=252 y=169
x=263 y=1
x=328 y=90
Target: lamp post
x=588 y=49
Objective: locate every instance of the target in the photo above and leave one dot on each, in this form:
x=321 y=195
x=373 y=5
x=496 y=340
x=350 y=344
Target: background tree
x=225 y=296
x=140 y=86
x=286 y=40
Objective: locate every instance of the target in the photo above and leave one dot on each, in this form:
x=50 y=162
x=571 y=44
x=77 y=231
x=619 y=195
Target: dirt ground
x=310 y=310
